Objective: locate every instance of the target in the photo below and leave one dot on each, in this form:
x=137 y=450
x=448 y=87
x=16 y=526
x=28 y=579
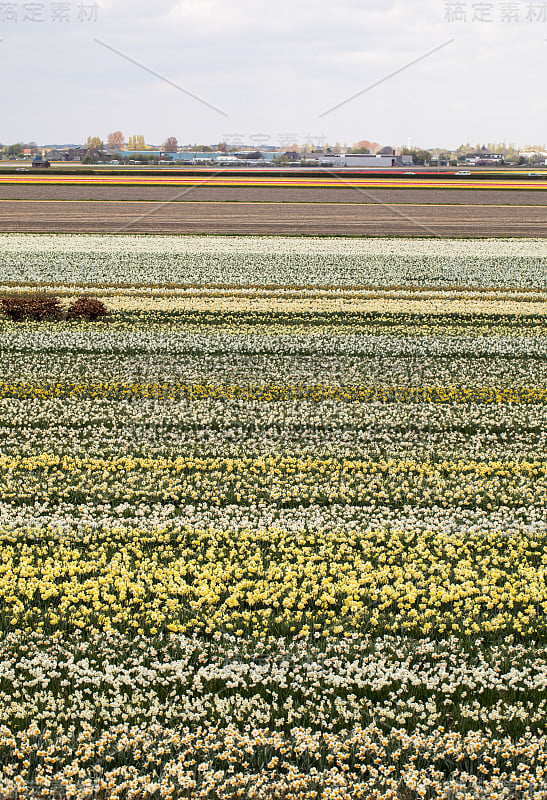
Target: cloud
x=274 y=67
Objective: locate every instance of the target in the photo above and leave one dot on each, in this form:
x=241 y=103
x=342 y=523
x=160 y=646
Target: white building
x=368 y=160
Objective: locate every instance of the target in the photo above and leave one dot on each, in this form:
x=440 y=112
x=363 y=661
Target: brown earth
x=273 y=195
x=379 y=212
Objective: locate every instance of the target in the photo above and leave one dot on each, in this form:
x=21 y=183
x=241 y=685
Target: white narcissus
x=258 y=537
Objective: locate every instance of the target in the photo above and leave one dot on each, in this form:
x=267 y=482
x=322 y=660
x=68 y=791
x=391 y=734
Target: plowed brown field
x=258 y=194
x=286 y=210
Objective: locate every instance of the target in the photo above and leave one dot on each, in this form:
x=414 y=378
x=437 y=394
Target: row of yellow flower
x=282 y=481
x=168 y=578
x=273 y=465
x=396 y=394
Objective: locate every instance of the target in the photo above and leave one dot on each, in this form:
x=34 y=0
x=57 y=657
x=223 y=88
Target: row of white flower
x=357 y=715
x=272 y=260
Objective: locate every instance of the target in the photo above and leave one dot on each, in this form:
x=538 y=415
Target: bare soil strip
x=261 y=218
x=272 y=195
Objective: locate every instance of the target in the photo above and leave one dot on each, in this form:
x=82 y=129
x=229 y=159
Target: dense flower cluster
x=275 y=552
x=353 y=717
x=398 y=578
x=258 y=260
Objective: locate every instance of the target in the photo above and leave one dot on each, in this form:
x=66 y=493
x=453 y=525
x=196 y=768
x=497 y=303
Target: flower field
x=278 y=527
x=227 y=177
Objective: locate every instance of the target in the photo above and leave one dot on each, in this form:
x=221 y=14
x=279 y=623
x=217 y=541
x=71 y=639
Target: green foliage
x=13 y=150
x=94 y=141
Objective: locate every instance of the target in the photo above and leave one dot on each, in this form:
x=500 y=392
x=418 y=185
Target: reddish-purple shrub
x=86 y=307
x=32 y=306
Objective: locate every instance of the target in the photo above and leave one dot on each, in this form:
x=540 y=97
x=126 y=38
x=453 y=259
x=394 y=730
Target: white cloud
x=275 y=67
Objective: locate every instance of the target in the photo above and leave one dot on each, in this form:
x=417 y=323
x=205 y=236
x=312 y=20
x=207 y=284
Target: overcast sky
x=273 y=69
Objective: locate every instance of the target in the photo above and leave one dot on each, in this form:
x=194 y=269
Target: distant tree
x=170 y=145
x=94 y=141
x=33 y=147
x=14 y=150
x=418 y=156
x=365 y=146
x=222 y=147
x=465 y=148
x=136 y=142
x=116 y=141
x=422 y=157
